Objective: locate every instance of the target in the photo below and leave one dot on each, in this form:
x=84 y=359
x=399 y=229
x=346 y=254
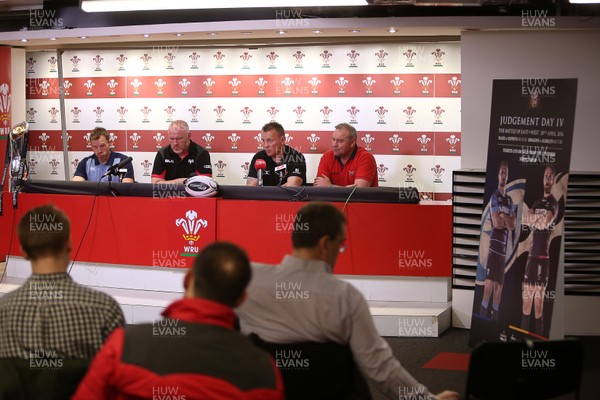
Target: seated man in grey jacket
x=329 y=310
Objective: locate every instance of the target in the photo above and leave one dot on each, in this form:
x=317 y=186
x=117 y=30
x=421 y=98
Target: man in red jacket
x=194 y=352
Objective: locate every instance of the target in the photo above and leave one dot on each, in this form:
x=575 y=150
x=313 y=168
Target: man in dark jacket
x=194 y=352
x=182 y=158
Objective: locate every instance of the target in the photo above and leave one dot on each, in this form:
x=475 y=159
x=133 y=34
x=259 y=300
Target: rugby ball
x=201 y=186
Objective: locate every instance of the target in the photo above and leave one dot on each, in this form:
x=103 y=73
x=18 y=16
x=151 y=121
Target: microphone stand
x=111 y=190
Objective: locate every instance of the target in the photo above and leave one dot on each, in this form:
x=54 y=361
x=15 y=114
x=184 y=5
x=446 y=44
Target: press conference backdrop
x=404 y=100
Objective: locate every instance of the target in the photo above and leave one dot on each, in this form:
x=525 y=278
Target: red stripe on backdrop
x=448 y=85
x=441 y=196
x=83 y=88
x=41 y=88
x=307 y=142
x=447 y=144
x=318 y=85
x=47 y=140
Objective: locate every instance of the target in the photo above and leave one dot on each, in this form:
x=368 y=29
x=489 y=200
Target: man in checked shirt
x=51 y=316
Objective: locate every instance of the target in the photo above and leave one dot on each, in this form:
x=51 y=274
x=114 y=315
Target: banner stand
x=519 y=292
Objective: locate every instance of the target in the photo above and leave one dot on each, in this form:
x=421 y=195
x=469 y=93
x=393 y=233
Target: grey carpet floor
x=413 y=353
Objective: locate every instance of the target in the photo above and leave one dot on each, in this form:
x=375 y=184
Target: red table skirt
x=382 y=239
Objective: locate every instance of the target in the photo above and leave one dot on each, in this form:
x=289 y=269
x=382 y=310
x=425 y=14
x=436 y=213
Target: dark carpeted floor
x=413 y=353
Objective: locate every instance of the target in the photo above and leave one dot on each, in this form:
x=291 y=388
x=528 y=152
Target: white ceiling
x=263 y=32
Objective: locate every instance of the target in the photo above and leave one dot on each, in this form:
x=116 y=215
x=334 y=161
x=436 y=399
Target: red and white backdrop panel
x=404 y=100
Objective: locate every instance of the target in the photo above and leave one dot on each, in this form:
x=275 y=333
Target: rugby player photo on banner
x=522 y=224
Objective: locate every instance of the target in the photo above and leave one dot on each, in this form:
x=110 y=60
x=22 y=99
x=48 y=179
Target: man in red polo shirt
x=346 y=164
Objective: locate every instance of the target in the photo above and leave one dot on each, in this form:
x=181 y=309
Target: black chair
x=525 y=370
x=43 y=379
x=317 y=371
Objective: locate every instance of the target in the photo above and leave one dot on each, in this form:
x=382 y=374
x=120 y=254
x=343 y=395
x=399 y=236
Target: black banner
x=531 y=133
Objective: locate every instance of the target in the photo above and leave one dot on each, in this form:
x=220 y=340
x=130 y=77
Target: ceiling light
x=149 y=5
x=212 y=33
x=179 y=34
x=354 y=31
x=392 y=30
x=82 y=37
x=52 y=38
x=317 y=31
x=146 y=35
x=282 y=32
x=24 y=40
x=246 y=33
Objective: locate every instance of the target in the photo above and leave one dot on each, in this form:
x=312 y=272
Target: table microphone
x=260 y=165
x=114 y=168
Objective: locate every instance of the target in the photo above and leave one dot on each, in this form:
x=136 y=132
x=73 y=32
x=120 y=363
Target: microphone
x=260 y=165
x=114 y=168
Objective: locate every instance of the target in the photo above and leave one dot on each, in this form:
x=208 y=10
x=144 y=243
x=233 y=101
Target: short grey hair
x=180 y=124
x=349 y=128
